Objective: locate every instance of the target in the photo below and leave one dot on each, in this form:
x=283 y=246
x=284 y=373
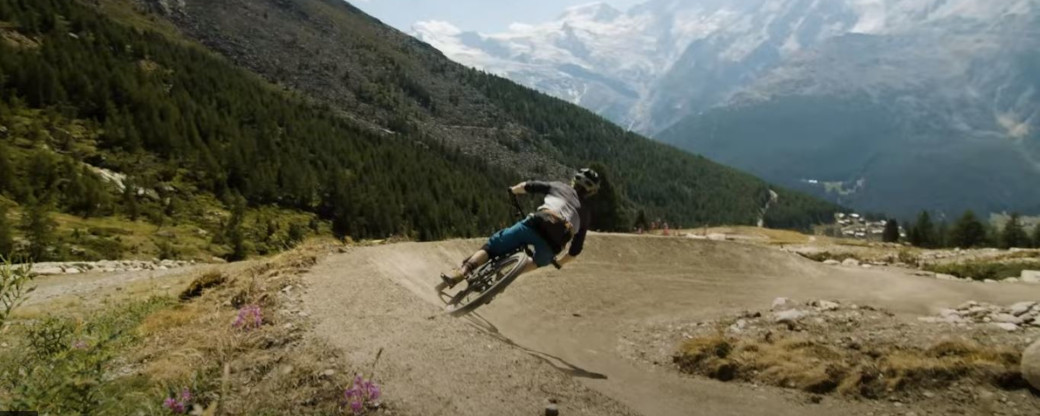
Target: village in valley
x=857 y=226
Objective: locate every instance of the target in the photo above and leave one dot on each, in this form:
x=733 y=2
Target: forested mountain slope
x=108 y=111
x=331 y=50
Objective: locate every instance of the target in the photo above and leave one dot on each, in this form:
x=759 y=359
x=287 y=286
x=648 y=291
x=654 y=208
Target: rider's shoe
x=455 y=277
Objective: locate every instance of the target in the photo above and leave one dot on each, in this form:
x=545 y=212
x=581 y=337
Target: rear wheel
x=488 y=281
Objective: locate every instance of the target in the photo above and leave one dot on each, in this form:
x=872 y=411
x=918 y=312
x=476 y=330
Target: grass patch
x=984 y=270
x=827 y=255
x=128 y=359
x=806 y=365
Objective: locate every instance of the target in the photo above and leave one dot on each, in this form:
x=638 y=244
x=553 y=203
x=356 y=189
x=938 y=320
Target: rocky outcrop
x=107 y=266
x=1031 y=365
x=1011 y=318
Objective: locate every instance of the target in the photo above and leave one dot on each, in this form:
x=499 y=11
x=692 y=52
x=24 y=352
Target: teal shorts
x=519 y=235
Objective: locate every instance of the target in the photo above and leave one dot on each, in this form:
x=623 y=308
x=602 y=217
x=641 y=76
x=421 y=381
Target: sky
x=486 y=16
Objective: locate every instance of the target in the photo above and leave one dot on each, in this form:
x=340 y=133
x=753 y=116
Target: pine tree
x=1014 y=235
x=923 y=232
x=641 y=222
x=891 y=234
x=6 y=235
x=129 y=202
x=7 y=175
x=235 y=232
x=608 y=213
x=942 y=235
x=968 y=231
x=1036 y=236
x=38 y=227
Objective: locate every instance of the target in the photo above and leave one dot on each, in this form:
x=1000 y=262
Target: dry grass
x=269 y=370
x=803 y=364
x=205 y=281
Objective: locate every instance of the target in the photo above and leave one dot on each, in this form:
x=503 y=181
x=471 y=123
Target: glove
x=519 y=189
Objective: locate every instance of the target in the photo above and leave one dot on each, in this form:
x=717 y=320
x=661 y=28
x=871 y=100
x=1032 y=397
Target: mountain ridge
x=960 y=69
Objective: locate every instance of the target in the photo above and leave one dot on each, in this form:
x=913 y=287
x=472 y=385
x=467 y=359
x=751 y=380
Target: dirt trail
x=573 y=320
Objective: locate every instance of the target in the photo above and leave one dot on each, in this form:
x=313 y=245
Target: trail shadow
x=556 y=362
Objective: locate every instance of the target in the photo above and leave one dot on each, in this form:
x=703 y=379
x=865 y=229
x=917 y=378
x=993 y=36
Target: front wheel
x=488 y=281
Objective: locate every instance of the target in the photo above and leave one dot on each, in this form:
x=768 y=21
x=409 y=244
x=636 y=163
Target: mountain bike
x=486 y=282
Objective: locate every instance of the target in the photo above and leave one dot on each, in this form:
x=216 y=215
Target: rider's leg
x=471 y=263
x=501 y=242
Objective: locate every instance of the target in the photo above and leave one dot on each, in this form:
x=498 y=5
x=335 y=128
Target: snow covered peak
x=656 y=57
x=596 y=12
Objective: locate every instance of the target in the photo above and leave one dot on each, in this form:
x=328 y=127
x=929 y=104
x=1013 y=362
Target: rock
x=1021 y=308
x=781 y=304
x=923 y=273
x=48 y=270
x=1005 y=326
x=1006 y=318
x=1031 y=365
x=789 y=316
x=825 y=305
x=1012 y=280
x=328 y=373
x=738 y=326
x=1030 y=276
x=831 y=262
x=850 y=262
x=969 y=304
x=989 y=281
x=943 y=276
x=866 y=266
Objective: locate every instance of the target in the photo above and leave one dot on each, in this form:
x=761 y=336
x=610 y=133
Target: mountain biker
x=562 y=218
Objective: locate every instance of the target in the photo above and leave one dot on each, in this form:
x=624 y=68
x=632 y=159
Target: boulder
x=789 y=316
x=1031 y=365
x=1030 y=276
x=1005 y=326
x=831 y=262
x=1021 y=308
x=48 y=270
x=781 y=304
x=738 y=326
x=825 y=305
x=850 y=263
x=942 y=276
x=1006 y=318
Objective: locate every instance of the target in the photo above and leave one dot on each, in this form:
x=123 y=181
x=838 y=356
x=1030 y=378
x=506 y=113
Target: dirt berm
x=556 y=334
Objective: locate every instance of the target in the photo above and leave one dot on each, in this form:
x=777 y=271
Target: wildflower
x=174 y=406
x=372 y=391
x=80 y=345
x=249 y=317
x=178 y=406
x=361 y=394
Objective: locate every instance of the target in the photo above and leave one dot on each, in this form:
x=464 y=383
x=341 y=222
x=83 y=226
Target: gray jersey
x=563 y=200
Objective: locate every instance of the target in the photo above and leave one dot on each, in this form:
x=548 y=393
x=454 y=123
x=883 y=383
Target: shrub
x=206 y=281
x=13 y=280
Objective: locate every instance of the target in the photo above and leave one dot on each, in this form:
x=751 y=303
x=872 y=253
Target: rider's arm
x=578 y=242
x=536 y=187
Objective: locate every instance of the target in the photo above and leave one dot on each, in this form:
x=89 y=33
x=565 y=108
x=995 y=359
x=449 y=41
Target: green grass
x=64 y=364
x=984 y=270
